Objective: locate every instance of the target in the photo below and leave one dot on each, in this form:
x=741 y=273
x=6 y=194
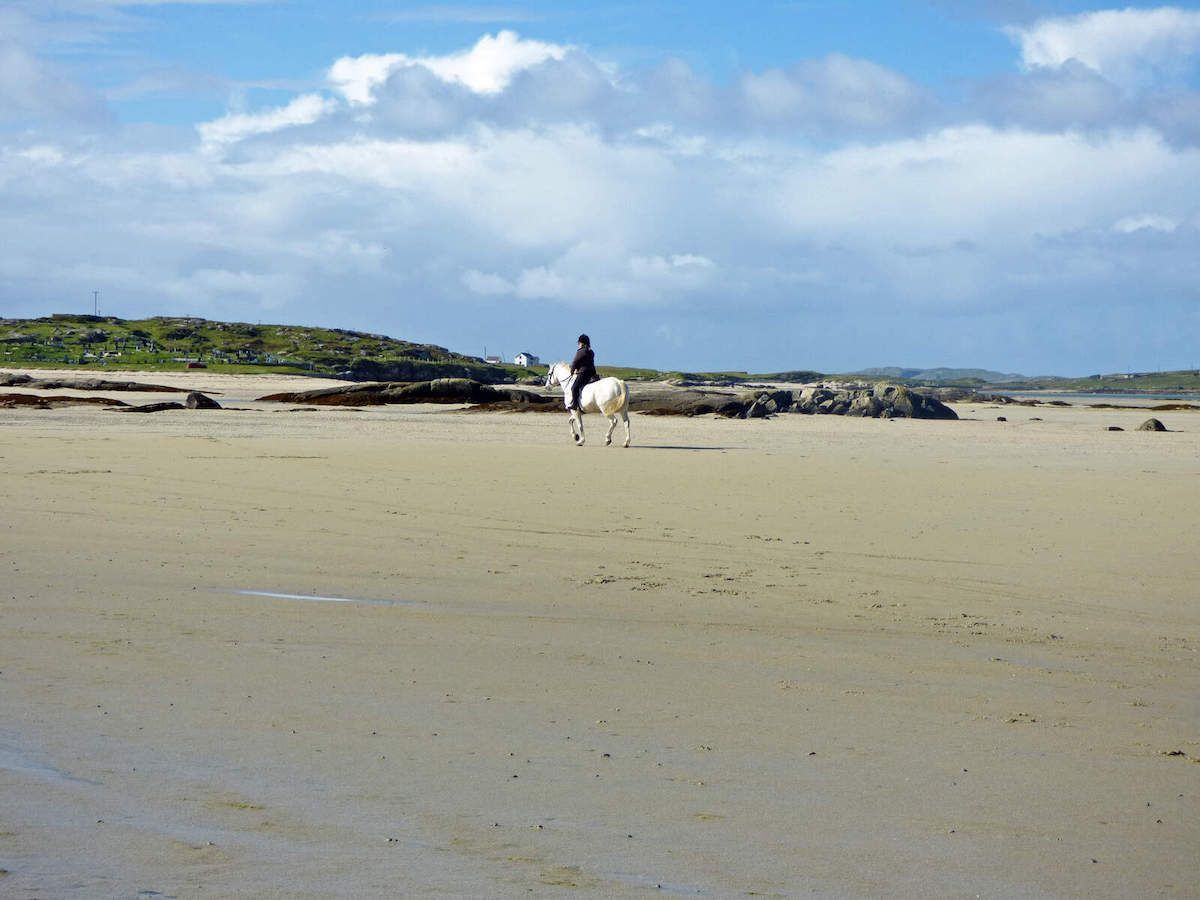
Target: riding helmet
x=585 y=340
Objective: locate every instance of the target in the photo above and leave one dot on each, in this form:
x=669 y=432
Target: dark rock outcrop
x=34 y=401
x=83 y=384
x=1152 y=425
x=439 y=390
x=152 y=407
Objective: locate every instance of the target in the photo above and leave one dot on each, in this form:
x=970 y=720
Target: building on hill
x=526 y=359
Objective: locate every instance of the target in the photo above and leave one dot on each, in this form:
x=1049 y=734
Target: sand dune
x=411 y=651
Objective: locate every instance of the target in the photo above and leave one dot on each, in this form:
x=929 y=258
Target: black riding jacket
x=584 y=365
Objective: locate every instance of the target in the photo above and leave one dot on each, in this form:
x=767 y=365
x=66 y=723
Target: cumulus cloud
x=1123 y=44
x=486 y=68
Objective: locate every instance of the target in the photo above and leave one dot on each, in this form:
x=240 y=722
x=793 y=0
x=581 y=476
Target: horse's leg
x=612 y=424
x=625 y=416
x=577 y=427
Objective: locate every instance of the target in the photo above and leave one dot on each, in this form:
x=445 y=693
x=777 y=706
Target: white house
x=526 y=359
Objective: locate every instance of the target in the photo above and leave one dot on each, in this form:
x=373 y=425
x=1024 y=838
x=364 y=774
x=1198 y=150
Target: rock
x=83 y=384
x=1001 y=419
x=33 y=401
x=1115 y=428
x=151 y=407
x=197 y=400
x=439 y=390
x=866 y=405
x=1152 y=425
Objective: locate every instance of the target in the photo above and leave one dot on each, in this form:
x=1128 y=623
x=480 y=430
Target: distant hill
x=940 y=375
x=172 y=342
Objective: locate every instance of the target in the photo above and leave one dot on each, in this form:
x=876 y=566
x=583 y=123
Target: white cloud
x=488 y=284
x=487 y=68
x=832 y=94
x=304 y=110
x=1145 y=221
x=30 y=87
x=599 y=272
x=1121 y=44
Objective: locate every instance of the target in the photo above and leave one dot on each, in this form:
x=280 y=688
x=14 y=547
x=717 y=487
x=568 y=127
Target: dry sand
x=809 y=655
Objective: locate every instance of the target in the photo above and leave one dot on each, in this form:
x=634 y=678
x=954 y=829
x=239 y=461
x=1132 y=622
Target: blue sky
x=1011 y=184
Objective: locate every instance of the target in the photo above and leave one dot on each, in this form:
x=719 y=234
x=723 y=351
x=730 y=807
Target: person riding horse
x=583 y=367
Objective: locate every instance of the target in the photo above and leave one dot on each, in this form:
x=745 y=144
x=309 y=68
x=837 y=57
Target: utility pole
x=95 y=303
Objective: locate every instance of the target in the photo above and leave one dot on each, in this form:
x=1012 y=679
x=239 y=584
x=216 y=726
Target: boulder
x=1152 y=425
x=197 y=400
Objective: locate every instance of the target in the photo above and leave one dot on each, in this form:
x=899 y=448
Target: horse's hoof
x=608 y=443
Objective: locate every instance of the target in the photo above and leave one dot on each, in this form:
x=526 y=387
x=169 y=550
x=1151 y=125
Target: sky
x=764 y=186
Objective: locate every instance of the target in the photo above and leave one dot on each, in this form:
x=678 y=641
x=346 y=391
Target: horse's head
x=553 y=375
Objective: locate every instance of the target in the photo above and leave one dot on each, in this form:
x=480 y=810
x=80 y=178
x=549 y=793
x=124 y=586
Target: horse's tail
x=619 y=405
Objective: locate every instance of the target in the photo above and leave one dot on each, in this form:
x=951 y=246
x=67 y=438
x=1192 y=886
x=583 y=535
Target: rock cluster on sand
x=1152 y=425
x=883 y=401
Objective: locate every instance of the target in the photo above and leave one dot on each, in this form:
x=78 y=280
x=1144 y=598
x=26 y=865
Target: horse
x=608 y=396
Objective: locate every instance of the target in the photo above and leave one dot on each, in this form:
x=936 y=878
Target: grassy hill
x=938 y=376
x=166 y=343
x=172 y=343
x=1149 y=382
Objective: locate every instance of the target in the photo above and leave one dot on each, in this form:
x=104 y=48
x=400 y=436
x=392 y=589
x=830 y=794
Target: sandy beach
x=419 y=651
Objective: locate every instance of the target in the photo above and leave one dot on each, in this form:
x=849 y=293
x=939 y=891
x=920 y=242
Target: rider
x=583 y=367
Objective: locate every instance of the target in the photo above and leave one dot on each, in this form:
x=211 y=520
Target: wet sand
x=416 y=651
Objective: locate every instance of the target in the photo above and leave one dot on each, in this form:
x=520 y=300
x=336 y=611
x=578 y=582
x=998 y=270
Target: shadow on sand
x=678 y=447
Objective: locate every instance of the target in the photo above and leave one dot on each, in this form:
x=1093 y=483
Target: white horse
x=608 y=396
